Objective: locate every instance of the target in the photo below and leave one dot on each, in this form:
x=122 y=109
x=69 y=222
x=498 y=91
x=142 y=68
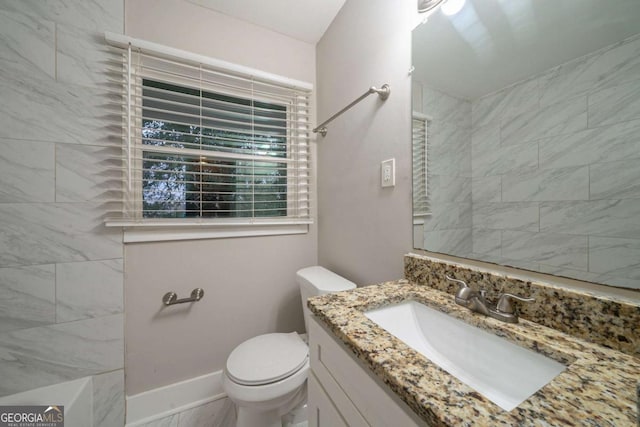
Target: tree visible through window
x=213 y=155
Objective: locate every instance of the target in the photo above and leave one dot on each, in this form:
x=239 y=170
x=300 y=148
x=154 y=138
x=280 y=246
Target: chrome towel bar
x=171 y=298
x=383 y=92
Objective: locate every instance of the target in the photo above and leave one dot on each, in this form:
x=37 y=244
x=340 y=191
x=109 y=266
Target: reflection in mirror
x=532 y=123
x=419 y=150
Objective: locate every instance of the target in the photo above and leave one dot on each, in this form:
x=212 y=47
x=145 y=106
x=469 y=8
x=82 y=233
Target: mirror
x=527 y=136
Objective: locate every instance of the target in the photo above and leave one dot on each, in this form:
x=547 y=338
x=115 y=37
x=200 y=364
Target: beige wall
x=184 y=25
x=364 y=229
x=250 y=289
x=249 y=283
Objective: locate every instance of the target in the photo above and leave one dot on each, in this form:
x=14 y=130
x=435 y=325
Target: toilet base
x=273 y=413
x=247 y=418
x=298 y=417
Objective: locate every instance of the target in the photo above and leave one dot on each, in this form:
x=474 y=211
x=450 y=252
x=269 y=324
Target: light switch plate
x=388 y=173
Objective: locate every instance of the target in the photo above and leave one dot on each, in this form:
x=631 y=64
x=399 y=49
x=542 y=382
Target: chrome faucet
x=477 y=302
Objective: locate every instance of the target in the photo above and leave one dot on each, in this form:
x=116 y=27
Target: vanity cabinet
x=342 y=391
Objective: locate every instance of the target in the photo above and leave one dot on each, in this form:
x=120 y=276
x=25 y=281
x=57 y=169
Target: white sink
x=505 y=373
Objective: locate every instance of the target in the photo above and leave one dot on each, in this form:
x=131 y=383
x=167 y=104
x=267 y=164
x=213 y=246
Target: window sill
x=168 y=230
x=420 y=218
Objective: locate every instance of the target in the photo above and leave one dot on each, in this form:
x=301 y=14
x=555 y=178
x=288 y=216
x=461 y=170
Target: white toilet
x=266 y=375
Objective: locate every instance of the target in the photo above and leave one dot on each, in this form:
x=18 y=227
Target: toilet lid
x=267 y=358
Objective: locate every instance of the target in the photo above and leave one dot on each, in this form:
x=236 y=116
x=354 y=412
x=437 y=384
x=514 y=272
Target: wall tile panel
x=486 y=241
x=615 y=256
x=615 y=180
x=88 y=289
x=27 y=297
x=41 y=233
x=28 y=43
x=104 y=15
x=108 y=399
x=548 y=184
x=614 y=105
x=602 y=144
x=506 y=216
x=506 y=103
x=446 y=188
x=83 y=57
x=55 y=112
x=35 y=357
x=502 y=160
x=450 y=241
x=607 y=218
x=88 y=173
x=448 y=215
x=559 y=250
x=486 y=189
x=27 y=171
x=557 y=119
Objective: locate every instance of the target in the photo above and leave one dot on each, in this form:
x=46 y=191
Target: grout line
x=55 y=173
x=55 y=51
x=588 y=255
x=55 y=293
x=589 y=182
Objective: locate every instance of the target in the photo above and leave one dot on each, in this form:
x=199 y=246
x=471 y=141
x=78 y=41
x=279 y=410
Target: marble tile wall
x=556 y=175
x=61 y=275
x=448 y=228
x=108 y=399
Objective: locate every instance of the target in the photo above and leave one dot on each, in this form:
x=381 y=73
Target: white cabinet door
x=322 y=413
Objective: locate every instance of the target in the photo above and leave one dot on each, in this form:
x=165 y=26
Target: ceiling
x=491 y=44
x=305 y=20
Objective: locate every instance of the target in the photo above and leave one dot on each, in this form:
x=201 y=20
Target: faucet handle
x=504 y=302
x=464 y=292
x=462 y=283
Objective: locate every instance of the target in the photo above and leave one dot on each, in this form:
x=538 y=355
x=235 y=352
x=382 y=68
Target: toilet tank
x=316 y=280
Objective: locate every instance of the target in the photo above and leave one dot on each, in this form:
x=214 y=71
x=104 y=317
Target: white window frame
x=160 y=229
x=139 y=147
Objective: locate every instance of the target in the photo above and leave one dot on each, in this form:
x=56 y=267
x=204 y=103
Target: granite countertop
x=598 y=388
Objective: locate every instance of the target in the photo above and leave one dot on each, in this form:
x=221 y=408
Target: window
x=209 y=143
x=420 y=144
x=244 y=182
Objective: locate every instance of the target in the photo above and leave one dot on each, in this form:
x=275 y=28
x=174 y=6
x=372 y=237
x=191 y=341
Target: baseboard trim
x=173 y=398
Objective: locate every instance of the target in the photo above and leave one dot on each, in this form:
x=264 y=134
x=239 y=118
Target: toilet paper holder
x=171 y=298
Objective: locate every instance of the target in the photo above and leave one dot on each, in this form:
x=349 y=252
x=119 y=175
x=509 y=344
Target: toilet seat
x=267 y=359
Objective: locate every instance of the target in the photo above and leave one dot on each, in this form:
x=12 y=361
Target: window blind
x=419 y=144
x=209 y=143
